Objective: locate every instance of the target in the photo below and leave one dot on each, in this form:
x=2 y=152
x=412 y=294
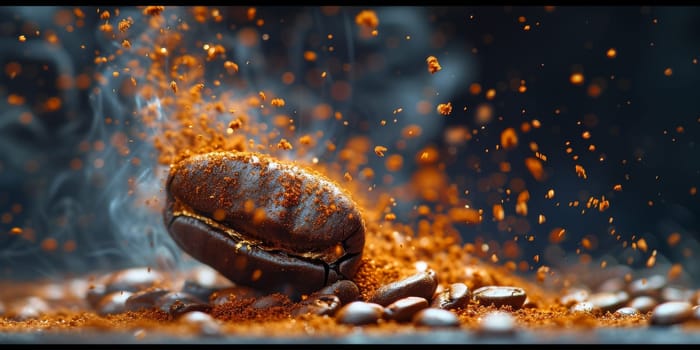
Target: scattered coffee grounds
x=299 y=235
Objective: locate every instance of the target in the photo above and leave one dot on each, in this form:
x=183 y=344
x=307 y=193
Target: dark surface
x=651 y=335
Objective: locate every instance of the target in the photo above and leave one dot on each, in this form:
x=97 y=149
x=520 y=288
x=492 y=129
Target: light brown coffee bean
x=455 y=297
x=422 y=284
x=403 y=310
x=113 y=303
x=650 y=286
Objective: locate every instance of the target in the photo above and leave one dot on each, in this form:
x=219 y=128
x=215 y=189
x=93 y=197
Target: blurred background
x=612 y=89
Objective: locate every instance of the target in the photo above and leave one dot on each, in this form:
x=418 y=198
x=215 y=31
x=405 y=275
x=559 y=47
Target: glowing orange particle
x=379 y=150
x=367 y=18
x=668 y=72
x=580 y=171
x=16 y=231
x=284 y=144
x=153 y=10
x=612 y=53
x=576 y=79
x=433 y=64
x=22 y=38
x=498 y=212
x=509 y=139
x=231 y=67
x=534 y=166
x=617 y=188
x=277 y=102
x=445 y=108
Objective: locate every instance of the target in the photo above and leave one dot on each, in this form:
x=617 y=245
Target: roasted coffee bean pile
x=204 y=303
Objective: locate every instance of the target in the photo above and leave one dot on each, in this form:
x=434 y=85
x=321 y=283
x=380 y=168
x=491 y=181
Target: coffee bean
x=318 y=304
x=650 y=286
x=272 y=300
x=529 y=304
x=676 y=293
x=422 y=284
x=671 y=312
x=225 y=295
x=198 y=290
x=574 y=296
x=207 y=325
x=403 y=310
x=626 y=311
x=500 y=296
x=113 y=303
x=497 y=323
x=612 y=285
x=455 y=297
x=359 y=313
x=129 y=280
x=346 y=290
x=584 y=306
x=432 y=317
x=643 y=303
x=179 y=302
x=28 y=308
x=302 y=233
x=144 y=299
x=608 y=301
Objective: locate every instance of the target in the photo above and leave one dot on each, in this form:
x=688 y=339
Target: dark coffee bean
x=404 y=309
x=497 y=323
x=675 y=293
x=346 y=290
x=608 y=301
x=311 y=233
x=650 y=286
x=318 y=304
x=455 y=297
x=671 y=312
x=359 y=313
x=113 y=303
x=422 y=284
x=198 y=290
x=28 y=308
x=432 y=317
x=129 y=280
x=178 y=302
x=178 y=308
x=144 y=299
x=626 y=311
x=584 y=306
x=529 y=304
x=643 y=303
x=500 y=296
x=271 y=300
x=574 y=296
x=225 y=295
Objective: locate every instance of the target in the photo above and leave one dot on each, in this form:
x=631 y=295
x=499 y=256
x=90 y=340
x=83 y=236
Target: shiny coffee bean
x=113 y=303
x=404 y=309
x=432 y=317
x=584 y=306
x=28 y=308
x=675 y=293
x=180 y=307
x=359 y=313
x=206 y=324
x=200 y=291
x=608 y=301
x=319 y=305
x=144 y=299
x=650 y=286
x=271 y=300
x=422 y=284
x=671 y=312
x=573 y=296
x=643 y=303
x=529 y=304
x=226 y=295
x=346 y=290
x=130 y=280
x=627 y=311
x=183 y=300
x=500 y=296
x=264 y=223
x=497 y=323
x=455 y=297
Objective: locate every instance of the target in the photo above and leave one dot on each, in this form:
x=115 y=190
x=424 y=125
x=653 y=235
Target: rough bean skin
x=264 y=223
